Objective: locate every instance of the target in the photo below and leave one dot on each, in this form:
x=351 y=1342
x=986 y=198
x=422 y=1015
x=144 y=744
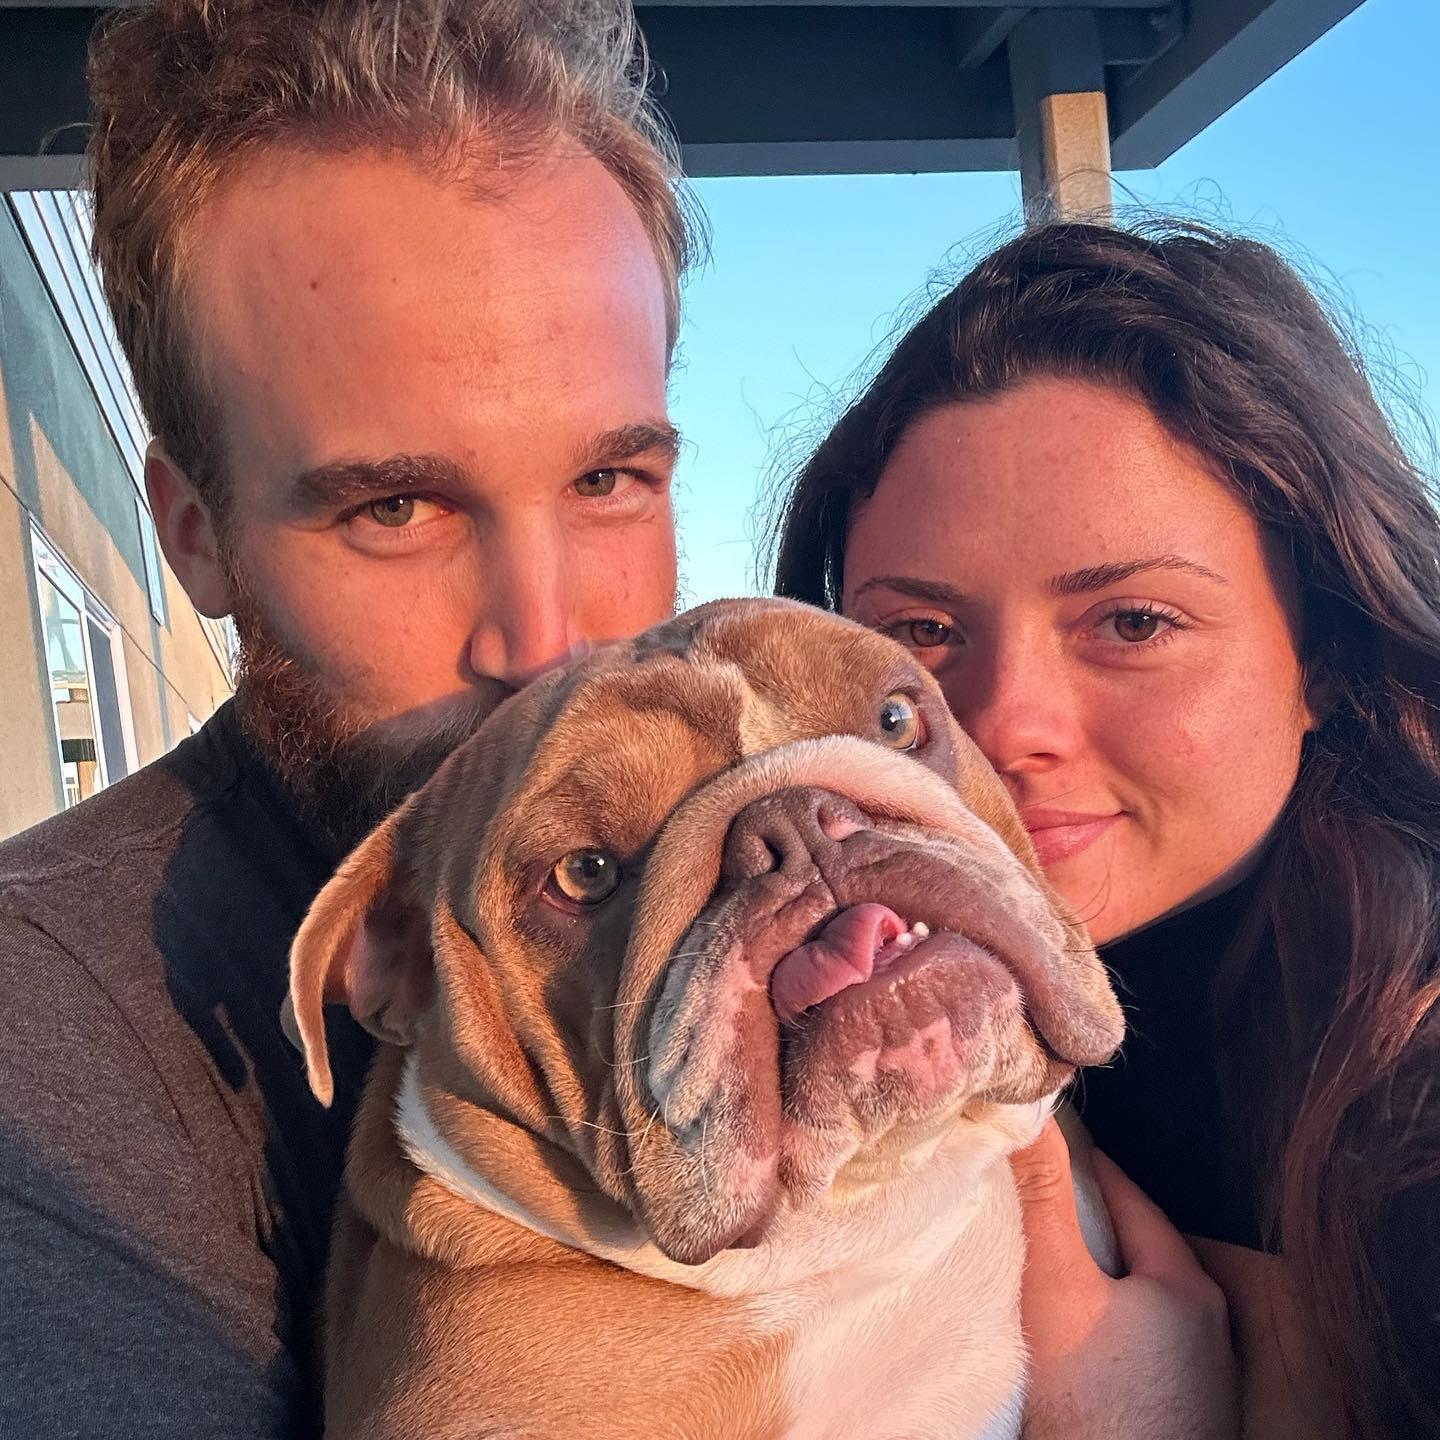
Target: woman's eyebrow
x=1072 y=582
x=1100 y=577
x=935 y=591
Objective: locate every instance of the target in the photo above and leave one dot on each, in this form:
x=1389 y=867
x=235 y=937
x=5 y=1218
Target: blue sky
x=1334 y=158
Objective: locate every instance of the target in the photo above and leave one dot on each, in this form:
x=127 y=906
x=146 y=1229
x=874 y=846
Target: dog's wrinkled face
x=715 y=915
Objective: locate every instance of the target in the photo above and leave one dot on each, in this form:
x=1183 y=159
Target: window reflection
x=70 y=689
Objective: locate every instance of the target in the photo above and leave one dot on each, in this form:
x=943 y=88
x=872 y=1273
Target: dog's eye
x=900 y=726
x=586 y=877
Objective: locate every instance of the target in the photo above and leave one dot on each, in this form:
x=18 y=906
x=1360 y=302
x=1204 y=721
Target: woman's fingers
x=1047 y=1192
x=1064 y=1294
x=1149 y=1243
x=1146 y=1356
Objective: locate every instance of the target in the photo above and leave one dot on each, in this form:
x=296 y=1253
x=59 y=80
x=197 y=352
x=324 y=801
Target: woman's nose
x=1017 y=705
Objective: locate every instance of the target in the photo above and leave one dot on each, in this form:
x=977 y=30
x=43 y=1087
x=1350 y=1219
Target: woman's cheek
x=1207 y=766
x=1165 y=738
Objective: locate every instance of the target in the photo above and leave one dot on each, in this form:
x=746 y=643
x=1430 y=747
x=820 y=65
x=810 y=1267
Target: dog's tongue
x=843 y=954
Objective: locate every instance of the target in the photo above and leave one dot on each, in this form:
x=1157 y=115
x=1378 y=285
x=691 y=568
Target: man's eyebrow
x=344 y=482
x=629 y=442
x=347 y=482
x=1101 y=577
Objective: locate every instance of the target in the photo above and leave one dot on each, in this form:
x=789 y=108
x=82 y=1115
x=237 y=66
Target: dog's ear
x=365 y=943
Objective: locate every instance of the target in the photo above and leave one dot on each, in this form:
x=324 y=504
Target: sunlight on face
x=445 y=417
x=1107 y=622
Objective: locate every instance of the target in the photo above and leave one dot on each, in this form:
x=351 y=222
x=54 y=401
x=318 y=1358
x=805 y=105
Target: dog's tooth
x=920 y=930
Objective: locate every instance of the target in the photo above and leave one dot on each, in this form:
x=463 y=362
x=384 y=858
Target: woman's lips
x=1059 y=834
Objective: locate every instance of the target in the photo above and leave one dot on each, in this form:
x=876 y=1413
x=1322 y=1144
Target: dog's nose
x=784 y=831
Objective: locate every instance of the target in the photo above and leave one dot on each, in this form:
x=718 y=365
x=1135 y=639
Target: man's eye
x=394 y=511
x=597 y=483
x=399 y=512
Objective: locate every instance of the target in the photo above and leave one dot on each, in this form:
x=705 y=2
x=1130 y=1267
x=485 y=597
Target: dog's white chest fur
x=911 y=1351
x=902 y=1310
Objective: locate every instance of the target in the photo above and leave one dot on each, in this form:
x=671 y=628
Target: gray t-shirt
x=166 y=1179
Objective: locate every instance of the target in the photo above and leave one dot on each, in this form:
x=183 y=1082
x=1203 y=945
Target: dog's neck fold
x=464 y=1186
x=418 y=1209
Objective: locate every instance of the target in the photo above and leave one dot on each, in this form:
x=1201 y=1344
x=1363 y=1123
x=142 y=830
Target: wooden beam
x=1062 y=127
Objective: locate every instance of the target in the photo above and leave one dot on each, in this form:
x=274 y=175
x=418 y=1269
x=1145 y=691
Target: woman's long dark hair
x=1328 y=1001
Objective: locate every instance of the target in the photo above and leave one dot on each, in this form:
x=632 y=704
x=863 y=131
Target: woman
x=1132 y=500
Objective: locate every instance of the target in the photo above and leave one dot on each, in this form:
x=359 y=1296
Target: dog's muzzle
x=851 y=975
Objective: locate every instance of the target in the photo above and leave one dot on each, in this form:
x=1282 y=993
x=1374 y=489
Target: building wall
x=60 y=469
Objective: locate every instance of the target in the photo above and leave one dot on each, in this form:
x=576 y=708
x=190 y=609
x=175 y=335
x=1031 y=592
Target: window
x=94 y=732
x=154 y=576
x=57 y=226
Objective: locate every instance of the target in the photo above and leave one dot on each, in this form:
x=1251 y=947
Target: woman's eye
x=926 y=634
x=919 y=632
x=1134 y=627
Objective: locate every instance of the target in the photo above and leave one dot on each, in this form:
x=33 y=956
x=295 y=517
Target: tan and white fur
x=603 y=1183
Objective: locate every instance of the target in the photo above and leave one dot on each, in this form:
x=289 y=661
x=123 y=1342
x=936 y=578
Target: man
x=398 y=283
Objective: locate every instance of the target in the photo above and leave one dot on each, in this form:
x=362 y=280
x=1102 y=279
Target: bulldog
x=718 y=980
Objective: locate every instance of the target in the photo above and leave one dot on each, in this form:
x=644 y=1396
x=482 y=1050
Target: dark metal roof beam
x=794 y=89
x=1230 y=47
x=42 y=93
x=836 y=86
x=980 y=33
x=1021 y=8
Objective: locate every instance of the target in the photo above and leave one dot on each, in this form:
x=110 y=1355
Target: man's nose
x=528 y=621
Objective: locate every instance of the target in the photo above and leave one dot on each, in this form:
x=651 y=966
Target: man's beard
x=345 y=776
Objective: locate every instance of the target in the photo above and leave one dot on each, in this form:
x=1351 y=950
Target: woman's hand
x=1144 y=1356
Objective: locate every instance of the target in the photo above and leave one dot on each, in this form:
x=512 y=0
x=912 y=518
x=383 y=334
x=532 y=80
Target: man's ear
x=365 y=943
x=187 y=533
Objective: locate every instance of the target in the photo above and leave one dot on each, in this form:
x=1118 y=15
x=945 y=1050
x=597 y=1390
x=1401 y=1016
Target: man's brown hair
x=186 y=92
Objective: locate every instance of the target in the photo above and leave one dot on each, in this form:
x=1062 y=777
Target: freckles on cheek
x=1170 y=741
x=1216 y=760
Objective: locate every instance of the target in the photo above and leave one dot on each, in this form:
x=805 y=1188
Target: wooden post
x=1062 y=123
